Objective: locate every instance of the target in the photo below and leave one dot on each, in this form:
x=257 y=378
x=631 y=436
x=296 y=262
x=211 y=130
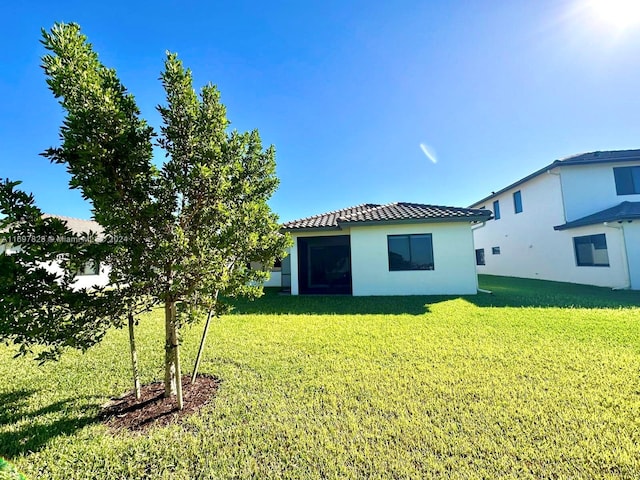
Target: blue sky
x=348 y=91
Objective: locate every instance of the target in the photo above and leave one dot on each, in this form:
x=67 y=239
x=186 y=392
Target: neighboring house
x=576 y=220
x=92 y=274
x=394 y=249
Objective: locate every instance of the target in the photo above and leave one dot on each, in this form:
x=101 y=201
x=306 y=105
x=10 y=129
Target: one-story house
x=393 y=249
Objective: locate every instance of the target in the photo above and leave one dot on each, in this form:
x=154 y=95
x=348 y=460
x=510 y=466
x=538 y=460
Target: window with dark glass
x=480 y=256
x=496 y=210
x=495 y=250
x=591 y=250
x=517 y=201
x=627 y=180
x=410 y=252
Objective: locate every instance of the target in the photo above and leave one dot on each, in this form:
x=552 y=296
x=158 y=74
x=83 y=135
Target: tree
x=38 y=305
x=187 y=232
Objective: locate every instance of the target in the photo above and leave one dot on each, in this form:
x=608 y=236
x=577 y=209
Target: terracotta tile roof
x=399 y=212
x=619 y=213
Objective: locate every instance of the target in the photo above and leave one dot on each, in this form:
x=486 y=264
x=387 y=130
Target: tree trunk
x=172 y=374
x=134 y=357
x=169 y=349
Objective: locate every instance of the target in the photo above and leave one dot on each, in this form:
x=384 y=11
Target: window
x=495 y=250
x=627 y=180
x=591 y=251
x=517 y=201
x=410 y=252
x=496 y=210
x=90 y=268
x=480 y=256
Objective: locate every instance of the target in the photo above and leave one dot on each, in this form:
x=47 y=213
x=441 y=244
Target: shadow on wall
x=506 y=292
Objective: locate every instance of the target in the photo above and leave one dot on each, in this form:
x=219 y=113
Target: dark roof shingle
x=399 y=212
x=619 y=213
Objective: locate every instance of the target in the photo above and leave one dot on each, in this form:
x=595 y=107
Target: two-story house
x=576 y=220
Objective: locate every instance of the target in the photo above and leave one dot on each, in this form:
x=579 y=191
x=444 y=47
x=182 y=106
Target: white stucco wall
x=613 y=276
x=81 y=281
x=85 y=281
x=275 y=279
x=454 y=261
x=592 y=188
x=531 y=248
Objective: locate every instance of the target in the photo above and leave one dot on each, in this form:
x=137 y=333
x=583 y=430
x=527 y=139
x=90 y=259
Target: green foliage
x=39 y=305
x=186 y=232
x=386 y=387
x=107 y=149
x=213 y=193
x=190 y=229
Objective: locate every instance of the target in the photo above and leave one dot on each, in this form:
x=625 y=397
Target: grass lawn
x=537 y=380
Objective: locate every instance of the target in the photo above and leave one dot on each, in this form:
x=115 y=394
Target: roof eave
x=531 y=176
x=558 y=163
x=310 y=229
x=413 y=221
x=578 y=224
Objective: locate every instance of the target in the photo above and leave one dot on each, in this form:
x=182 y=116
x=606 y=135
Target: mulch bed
x=153 y=409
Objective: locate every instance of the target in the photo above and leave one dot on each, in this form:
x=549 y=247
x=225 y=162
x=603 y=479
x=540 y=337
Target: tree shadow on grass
x=505 y=292
x=274 y=303
x=36 y=428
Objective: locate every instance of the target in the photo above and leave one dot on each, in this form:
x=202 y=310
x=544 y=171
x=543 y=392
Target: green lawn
x=537 y=380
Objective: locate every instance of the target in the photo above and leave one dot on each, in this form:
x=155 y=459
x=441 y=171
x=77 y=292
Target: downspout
x=625 y=257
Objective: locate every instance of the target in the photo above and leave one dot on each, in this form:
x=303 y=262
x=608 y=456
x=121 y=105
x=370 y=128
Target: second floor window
x=496 y=210
x=517 y=201
x=627 y=180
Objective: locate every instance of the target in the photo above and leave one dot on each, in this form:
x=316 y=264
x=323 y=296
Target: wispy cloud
x=429 y=152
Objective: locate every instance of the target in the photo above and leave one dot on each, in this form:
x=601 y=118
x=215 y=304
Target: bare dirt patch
x=153 y=409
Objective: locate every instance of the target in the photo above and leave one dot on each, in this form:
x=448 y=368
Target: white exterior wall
x=614 y=276
x=589 y=189
x=275 y=279
x=454 y=261
x=85 y=281
x=81 y=281
x=531 y=248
